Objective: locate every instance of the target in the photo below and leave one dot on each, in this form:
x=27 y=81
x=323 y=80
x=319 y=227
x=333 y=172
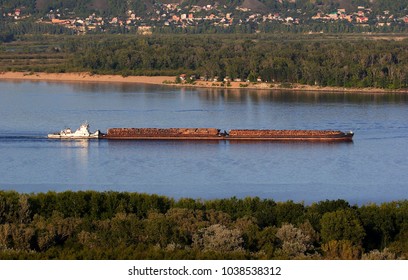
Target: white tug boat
x=81 y=133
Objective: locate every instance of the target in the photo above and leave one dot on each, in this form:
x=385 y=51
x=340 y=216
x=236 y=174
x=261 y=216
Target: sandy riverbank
x=169 y=80
x=84 y=77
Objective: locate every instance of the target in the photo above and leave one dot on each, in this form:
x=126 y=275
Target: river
x=373 y=168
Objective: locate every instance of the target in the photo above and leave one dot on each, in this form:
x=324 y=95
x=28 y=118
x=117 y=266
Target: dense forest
x=114 y=225
x=381 y=64
x=341 y=61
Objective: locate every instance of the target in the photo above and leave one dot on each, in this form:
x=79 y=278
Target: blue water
x=374 y=168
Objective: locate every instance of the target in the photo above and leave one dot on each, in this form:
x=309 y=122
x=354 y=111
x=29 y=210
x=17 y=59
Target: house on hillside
x=361 y=19
x=334 y=16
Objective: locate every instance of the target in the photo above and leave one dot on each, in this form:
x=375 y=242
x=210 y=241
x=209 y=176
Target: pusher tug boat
x=81 y=133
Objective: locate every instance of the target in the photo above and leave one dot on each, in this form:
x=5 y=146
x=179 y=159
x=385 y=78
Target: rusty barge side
x=233 y=135
x=163 y=134
x=290 y=135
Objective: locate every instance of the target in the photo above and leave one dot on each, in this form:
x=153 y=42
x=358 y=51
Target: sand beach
x=170 y=81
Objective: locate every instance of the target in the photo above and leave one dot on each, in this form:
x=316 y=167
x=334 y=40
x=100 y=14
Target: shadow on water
x=21 y=138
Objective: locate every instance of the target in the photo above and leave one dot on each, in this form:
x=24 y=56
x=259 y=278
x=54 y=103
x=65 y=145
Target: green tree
x=342 y=225
x=341 y=250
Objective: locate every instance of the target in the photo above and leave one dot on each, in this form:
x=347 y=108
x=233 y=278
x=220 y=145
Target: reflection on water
x=284 y=96
x=291 y=144
x=117 y=87
x=77 y=153
x=74 y=143
x=222 y=94
x=151 y=143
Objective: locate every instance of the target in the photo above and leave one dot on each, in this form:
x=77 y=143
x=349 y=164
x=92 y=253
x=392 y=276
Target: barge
x=163 y=134
x=233 y=135
x=290 y=135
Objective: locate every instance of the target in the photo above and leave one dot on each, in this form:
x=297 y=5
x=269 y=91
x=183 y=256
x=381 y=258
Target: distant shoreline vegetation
x=312 y=60
x=202 y=16
x=123 y=225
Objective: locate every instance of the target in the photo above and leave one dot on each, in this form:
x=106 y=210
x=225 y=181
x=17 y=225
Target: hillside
x=201 y=16
x=119 y=7
x=255 y=6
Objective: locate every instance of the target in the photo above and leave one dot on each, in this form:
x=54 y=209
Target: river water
x=373 y=168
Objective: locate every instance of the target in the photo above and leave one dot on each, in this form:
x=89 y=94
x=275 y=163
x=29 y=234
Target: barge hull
x=218 y=138
x=223 y=138
x=289 y=139
x=232 y=135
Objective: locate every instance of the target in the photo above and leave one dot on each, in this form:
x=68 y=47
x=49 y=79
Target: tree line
x=326 y=60
x=341 y=63
x=32 y=28
x=122 y=225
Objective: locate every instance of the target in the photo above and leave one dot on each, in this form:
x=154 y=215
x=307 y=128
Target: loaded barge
x=205 y=134
x=234 y=134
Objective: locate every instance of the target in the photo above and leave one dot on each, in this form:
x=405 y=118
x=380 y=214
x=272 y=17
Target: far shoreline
x=170 y=81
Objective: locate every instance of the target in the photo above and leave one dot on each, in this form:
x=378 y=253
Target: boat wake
x=4 y=138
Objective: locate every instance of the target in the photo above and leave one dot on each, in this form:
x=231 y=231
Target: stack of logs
x=162 y=132
x=282 y=133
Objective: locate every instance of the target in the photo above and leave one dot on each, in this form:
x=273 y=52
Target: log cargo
x=233 y=135
x=290 y=135
x=163 y=133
